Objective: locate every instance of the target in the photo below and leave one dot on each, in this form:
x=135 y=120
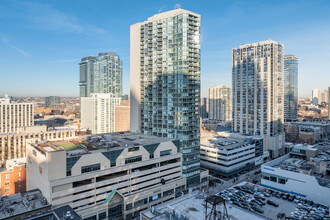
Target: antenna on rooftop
x=177 y=6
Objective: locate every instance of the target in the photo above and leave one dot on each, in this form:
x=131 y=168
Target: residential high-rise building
x=290 y=87
x=204 y=107
x=15 y=115
x=316 y=96
x=165 y=82
x=258 y=93
x=122 y=116
x=101 y=74
x=220 y=107
x=52 y=100
x=98 y=112
x=113 y=176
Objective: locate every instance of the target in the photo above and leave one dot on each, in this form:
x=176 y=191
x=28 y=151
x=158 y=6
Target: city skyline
x=44 y=49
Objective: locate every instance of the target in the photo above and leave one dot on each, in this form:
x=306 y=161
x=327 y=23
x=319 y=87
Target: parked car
x=271 y=202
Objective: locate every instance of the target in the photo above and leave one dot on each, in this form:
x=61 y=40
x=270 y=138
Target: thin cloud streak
x=16 y=48
x=48 y=18
x=65 y=61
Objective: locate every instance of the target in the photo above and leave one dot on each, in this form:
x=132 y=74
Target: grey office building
x=101 y=74
x=258 y=93
x=290 y=88
x=165 y=82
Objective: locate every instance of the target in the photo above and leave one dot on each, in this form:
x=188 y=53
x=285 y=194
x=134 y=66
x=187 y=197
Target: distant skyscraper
x=101 y=74
x=290 y=87
x=98 y=112
x=323 y=96
x=258 y=93
x=165 y=82
x=51 y=100
x=204 y=107
x=220 y=107
x=316 y=96
x=14 y=116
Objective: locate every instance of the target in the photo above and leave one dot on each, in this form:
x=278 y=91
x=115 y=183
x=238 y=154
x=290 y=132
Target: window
x=273 y=178
x=102 y=215
x=19 y=174
x=7 y=176
x=133 y=159
x=19 y=168
x=282 y=181
x=7 y=183
x=165 y=153
x=265 y=176
x=7 y=190
x=128 y=206
x=19 y=180
x=90 y=168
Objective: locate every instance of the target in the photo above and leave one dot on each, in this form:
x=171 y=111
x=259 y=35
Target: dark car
x=285 y=196
x=291 y=198
x=271 y=202
x=257 y=209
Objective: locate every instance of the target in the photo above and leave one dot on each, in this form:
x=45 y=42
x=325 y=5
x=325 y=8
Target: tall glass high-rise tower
x=101 y=74
x=258 y=93
x=290 y=87
x=165 y=82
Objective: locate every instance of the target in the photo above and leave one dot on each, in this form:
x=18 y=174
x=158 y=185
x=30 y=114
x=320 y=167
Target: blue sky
x=42 y=42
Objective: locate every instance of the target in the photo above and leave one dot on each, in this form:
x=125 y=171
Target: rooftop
x=20 y=203
x=318 y=166
x=100 y=143
x=192 y=207
x=60 y=213
x=223 y=143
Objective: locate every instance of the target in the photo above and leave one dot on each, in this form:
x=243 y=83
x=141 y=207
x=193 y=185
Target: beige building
x=122 y=116
x=220 y=107
x=98 y=112
x=14 y=115
x=112 y=174
x=12 y=145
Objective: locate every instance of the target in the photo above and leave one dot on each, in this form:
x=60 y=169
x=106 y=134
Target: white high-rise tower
x=258 y=93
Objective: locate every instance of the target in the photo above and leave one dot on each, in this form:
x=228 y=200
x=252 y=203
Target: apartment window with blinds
x=90 y=168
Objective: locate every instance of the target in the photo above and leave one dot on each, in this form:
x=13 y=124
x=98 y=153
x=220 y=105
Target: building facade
x=52 y=100
x=293 y=175
x=258 y=93
x=204 y=107
x=101 y=74
x=290 y=88
x=15 y=115
x=13 y=145
x=13 y=177
x=316 y=97
x=125 y=174
x=227 y=156
x=122 y=116
x=98 y=112
x=165 y=82
x=329 y=102
x=220 y=107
